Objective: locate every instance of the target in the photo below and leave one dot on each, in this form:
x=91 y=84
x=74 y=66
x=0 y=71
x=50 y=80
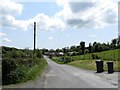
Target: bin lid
x=98 y=60
x=110 y=62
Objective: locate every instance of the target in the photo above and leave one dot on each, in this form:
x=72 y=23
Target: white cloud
x=10 y=21
x=6 y=40
x=89 y=14
x=10 y=7
x=2 y=34
x=45 y=22
x=50 y=38
x=73 y=15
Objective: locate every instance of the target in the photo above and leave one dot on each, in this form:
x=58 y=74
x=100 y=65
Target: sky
x=60 y=23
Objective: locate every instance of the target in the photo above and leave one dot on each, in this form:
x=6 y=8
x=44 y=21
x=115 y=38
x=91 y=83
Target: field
x=86 y=62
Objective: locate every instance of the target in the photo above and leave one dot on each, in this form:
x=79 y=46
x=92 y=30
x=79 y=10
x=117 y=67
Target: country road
x=65 y=76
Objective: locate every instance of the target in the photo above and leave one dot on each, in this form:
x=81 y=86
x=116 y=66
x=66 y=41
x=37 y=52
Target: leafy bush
x=20 y=70
x=50 y=56
x=14 y=54
x=95 y=56
x=17 y=75
x=66 y=59
x=8 y=65
x=39 y=54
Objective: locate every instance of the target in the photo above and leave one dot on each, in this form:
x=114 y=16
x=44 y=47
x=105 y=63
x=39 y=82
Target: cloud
x=50 y=38
x=10 y=21
x=89 y=14
x=10 y=7
x=45 y=22
x=2 y=34
x=6 y=40
x=110 y=16
x=73 y=15
x=80 y=6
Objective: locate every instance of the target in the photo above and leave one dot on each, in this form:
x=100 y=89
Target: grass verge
x=91 y=65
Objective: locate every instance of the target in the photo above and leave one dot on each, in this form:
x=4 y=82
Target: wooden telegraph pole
x=34 y=37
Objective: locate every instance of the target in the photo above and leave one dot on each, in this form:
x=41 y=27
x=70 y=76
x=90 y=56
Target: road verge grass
x=88 y=64
x=91 y=65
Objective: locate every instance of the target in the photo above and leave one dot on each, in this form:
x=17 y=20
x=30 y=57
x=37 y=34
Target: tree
x=100 y=48
x=44 y=50
x=58 y=50
x=65 y=50
x=96 y=47
x=90 y=47
x=82 y=45
x=86 y=51
x=72 y=48
x=38 y=53
x=114 y=42
x=14 y=54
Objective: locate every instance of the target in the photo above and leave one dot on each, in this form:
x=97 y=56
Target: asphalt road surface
x=65 y=76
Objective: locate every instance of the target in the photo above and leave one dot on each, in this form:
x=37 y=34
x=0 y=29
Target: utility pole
x=34 y=37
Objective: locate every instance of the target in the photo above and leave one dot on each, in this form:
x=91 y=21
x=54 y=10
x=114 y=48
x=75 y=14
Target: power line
x=91 y=9
x=101 y=9
x=96 y=12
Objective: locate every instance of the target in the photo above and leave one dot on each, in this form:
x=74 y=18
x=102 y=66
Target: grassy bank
x=105 y=55
x=91 y=65
x=22 y=70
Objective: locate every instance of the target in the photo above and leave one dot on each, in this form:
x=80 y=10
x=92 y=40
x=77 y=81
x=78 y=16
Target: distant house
x=72 y=53
x=54 y=53
x=61 y=53
x=58 y=53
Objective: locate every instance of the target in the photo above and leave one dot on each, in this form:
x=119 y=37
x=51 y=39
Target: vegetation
x=91 y=65
x=81 y=49
x=87 y=61
x=105 y=55
x=62 y=60
x=85 y=57
x=20 y=65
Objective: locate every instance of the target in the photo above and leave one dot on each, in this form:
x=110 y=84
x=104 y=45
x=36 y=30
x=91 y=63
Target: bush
x=12 y=54
x=17 y=75
x=66 y=59
x=39 y=54
x=95 y=56
x=8 y=65
x=20 y=70
x=50 y=56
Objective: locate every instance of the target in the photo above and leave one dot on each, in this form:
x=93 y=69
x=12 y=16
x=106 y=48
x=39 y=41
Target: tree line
x=82 y=49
